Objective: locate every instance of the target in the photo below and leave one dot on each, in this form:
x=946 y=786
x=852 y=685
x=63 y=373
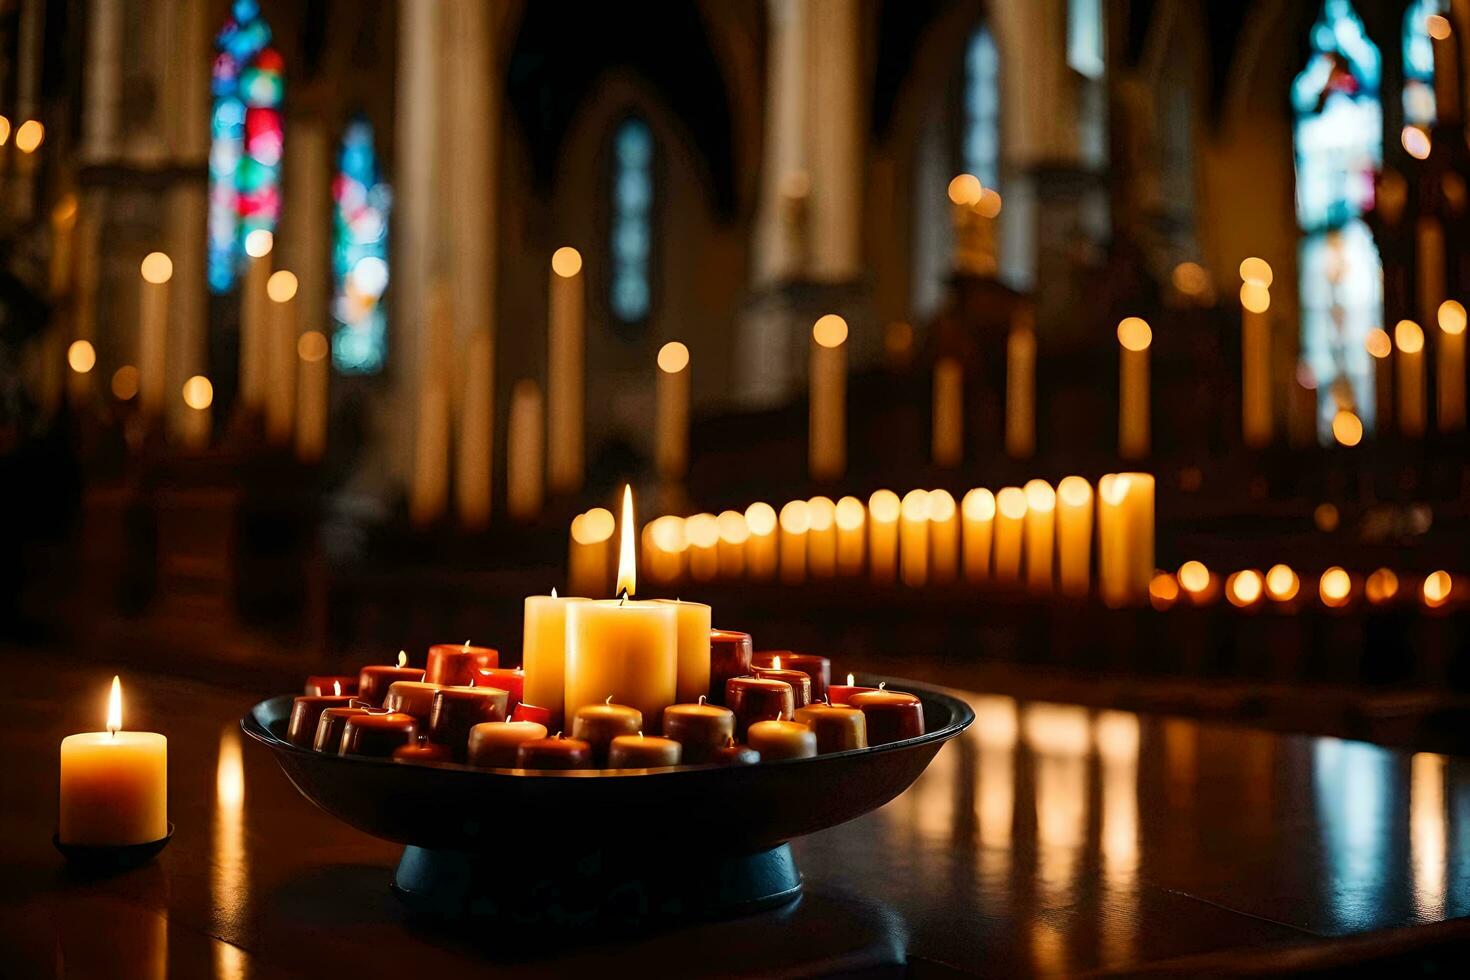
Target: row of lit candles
x=1280 y=586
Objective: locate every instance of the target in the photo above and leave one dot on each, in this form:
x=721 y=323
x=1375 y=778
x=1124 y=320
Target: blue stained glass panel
x=632 y=221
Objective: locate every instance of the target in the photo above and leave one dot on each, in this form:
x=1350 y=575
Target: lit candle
x=525 y=452
x=1451 y=387
x=837 y=727
x=694 y=649
x=114 y=784
x=730 y=656
x=455 y=663
x=1380 y=346
x=591 y=551
x=511 y=680
x=455 y=711
x=1430 y=267
x=493 y=744
x=331 y=722
x=565 y=366
x=1021 y=385
x=671 y=419
x=664 y=546
x=1125 y=520
x=553 y=753
x=757 y=698
x=599 y=724
x=827 y=422
x=890 y=715
x=544 y=651
x=281 y=340
x=913 y=552
x=378 y=733
x=978 y=513
x=306 y=713
x=1255 y=345
x=1446 y=65
x=1010 y=516
x=801 y=683
x=1074 y=536
x=884 y=509
x=733 y=534
x=850 y=517
x=643 y=752
x=840 y=693
x=322 y=684
x=1040 y=533
x=157 y=270
x=254 y=316
x=700 y=728
x=821 y=539
x=197 y=423
x=702 y=533
x=1134 y=337
x=944 y=537
x=760 y=547
x=776 y=740
x=373 y=682
x=948 y=435
x=795 y=522
x=312 y=380
x=414 y=698
x=819 y=669
x=1409 y=339
x=621 y=648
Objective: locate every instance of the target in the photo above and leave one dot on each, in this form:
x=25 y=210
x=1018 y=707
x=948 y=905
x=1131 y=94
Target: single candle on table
x=456 y=710
x=838 y=727
x=114 y=784
x=1010 y=517
x=730 y=656
x=891 y=716
x=757 y=699
x=493 y=744
x=1074 y=536
x=455 y=664
x=819 y=669
x=373 y=682
x=554 y=753
x=884 y=508
x=776 y=740
x=693 y=640
x=544 y=652
x=378 y=733
x=700 y=728
x=643 y=752
x=599 y=724
x=977 y=511
x=331 y=722
x=306 y=712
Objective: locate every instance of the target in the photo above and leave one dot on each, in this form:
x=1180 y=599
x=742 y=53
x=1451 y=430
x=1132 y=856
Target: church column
x=306 y=218
x=835 y=140
x=779 y=249
x=102 y=114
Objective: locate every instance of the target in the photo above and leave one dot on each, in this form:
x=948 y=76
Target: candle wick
x=701 y=699
x=623 y=598
x=882 y=685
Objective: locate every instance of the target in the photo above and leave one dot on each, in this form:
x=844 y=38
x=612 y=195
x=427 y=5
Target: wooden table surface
x=1050 y=839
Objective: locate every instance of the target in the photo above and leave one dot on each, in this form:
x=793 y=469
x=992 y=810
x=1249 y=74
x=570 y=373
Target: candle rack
x=604 y=851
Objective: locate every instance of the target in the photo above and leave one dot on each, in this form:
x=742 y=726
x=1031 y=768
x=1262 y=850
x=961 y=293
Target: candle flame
x=337 y=688
x=466 y=646
x=849 y=680
x=114 y=707
x=402 y=658
x=776 y=662
x=609 y=700
x=553 y=592
x=627 y=557
x=882 y=685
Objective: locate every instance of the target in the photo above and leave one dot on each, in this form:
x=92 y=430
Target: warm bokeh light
x=702 y=530
x=1134 y=333
x=668 y=534
x=4 y=130
x=566 y=261
x=1416 y=142
x=1255 y=297
x=312 y=346
x=978 y=505
x=259 y=243
x=125 y=382
x=1326 y=518
x=821 y=512
x=1408 y=337
x=157 y=268
x=1074 y=491
x=760 y=518
x=733 y=529
x=1194 y=576
x=627 y=581
x=1282 y=583
x=898 y=340
x=941 y=505
x=1243 y=588
x=81 y=356
x=673 y=357
x=1256 y=271
x=796 y=517
x=29 y=136
x=964 y=189
x=1191 y=279
x=1452 y=316
x=597 y=525
x=884 y=506
x=1162 y=590
x=915 y=505
x=1056 y=729
x=1378 y=343
x=1011 y=503
x=1040 y=496
x=1347 y=428
x=1438 y=26
x=1335 y=586
x=988 y=205
x=830 y=330
x=198 y=392
x=1381 y=586
x=850 y=514
x=229 y=773
x=1437 y=589
x=281 y=286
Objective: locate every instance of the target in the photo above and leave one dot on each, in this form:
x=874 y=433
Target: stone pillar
x=304 y=245
x=777 y=252
x=835 y=160
x=102 y=113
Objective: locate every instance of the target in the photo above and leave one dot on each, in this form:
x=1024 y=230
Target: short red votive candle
x=801 y=684
x=422 y=752
x=729 y=653
x=643 y=752
x=458 y=709
x=325 y=684
x=379 y=733
x=700 y=728
x=511 y=680
x=734 y=754
x=373 y=682
x=554 y=753
x=758 y=699
x=819 y=669
x=840 y=693
x=457 y=664
x=531 y=712
x=329 y=727
x=493 y=744
x=412 y=698
x=891 y=715
x=306 y=711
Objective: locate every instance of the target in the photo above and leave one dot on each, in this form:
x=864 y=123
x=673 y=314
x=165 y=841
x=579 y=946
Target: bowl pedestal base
x=541 y=889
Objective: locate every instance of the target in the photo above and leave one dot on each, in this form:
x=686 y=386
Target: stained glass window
x=981 y=148
x=1339 y=150
x=245 y=128
x=1419 y=107
x=1085 y=37
x=632 y=221
x=359 y=254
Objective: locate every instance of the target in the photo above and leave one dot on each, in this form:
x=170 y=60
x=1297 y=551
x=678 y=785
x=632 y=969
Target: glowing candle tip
x=114 y=706
x=627 y=557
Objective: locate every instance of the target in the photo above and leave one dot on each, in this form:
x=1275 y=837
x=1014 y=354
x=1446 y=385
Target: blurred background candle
x=525 y=474
x=1020 y=427
x=1134 y=338
x=544 y=652
x=1074 y=536
x=733 y=534
x=1125 y=537
x=1255 y=347
x=198 y=421
x=671 y=420
x=913 y=551
x=827 y=422
x=851 y=518
x=702 y=532
x=1451 y=358
x=114 y=784
x=1408 y=340
x=944 y=537
x=254 y=318
x=312 y=382
x=821 y=538
x=795 y=521
x=666 y=545
x=884 y=508
x=565 y=366
x=948 y=426
x=280 y=379
x=591 y=552
x=1380 y=348
x=760 y=547
x=1040 y=533
x=1010 y=516
x=694 y=650
x=977 y=511
x=1430 y=266
x=153 y=385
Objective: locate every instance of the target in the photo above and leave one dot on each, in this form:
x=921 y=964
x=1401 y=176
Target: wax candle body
x=1125 y=518
x=977 y=513
x=493 y=744
x=1074 y=536
x=819 y=669
x=412 y=698
x=851 y=535
x=330 y=684
x=544 y=652
x=114 y=788
x=554 y=753
x=329 y=727
x=891 y=715
x=693 y=673
x=730 y=656
x=599 y=724
x=944 y=538
x=532 y=712
x=827 y=423
x=566 y=364
x=626 y=651
x=842 y=693
x=423 y=752
x=1021 y=388
x=306 y=711
x=1039 y=530
x=1010 y=516
x=821 y=537
x=837 y=727
x=700 y=728
x=643 y=752
x=378 y=733
x=457 y=663
x=756 y=699
x=373 y=682
x=456 y=710
x=511 y=680
x=1255 y=394
x=883 y=514
x=801 y=684
x=913 y=554
x=776 y=740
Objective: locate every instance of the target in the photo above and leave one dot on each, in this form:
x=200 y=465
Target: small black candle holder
x=111 y=858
